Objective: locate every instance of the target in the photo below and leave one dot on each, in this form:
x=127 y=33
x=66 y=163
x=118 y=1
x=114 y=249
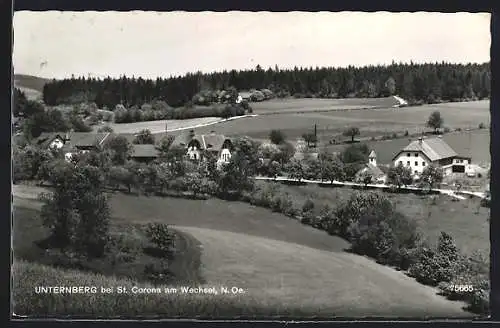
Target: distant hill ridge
x=30 y=82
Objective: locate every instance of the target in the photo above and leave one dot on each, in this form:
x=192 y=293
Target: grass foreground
x=280 y=268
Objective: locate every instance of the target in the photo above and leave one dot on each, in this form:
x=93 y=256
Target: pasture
x=292 y=105
x=285 y=268
x=371 y=122
x=465 y=220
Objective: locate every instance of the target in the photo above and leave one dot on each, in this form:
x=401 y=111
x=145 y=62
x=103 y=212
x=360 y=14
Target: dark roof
x=73 y=139
x=87 y=139
x=210 y=141
x=182 y=140
x=375 y=171
x=434 y=148
x=45 y=138
x=144 y=151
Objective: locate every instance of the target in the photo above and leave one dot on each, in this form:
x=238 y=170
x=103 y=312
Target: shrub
x=406 y=133
x=277 y=137
x=308 y=206
x=164 y=239
x=435 y=266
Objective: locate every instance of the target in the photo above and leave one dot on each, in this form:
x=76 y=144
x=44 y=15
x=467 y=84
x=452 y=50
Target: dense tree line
x=415 y=82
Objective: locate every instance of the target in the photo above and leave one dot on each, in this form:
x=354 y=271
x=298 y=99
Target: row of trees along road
x=421 y=82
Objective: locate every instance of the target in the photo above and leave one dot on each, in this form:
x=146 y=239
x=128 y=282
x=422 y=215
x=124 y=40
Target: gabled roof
x=372 y=154
x=87 y=139
x=74 y=139
x=144 y=151
x=45 y=138
x=375 y=171
x=434 y=148
x=210 y=141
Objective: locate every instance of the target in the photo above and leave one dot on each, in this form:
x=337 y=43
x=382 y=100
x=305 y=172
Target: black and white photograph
x=251 y=165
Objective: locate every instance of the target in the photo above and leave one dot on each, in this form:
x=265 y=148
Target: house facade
x=423 y=152
x=197 y=146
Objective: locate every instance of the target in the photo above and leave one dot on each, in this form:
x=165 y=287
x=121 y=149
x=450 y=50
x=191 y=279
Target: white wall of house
x=225 y=155
x=373 y=161
x=56 y=144
x=193 y=152
x=416 y=161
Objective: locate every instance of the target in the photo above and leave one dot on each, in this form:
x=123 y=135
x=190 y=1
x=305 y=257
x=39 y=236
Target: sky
x=56 y=44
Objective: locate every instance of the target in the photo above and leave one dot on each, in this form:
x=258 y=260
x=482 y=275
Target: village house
x=423 y=152
x=144 y=153
x=71 y=142
x=196 y=145
x=371 y=169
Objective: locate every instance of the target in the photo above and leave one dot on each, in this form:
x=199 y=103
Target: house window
x=416 y=163
x=416 y=154
x=408 y=154
x=423 y=163
x=408 y=163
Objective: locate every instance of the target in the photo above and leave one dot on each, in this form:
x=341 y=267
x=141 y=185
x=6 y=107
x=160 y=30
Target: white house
x=423 y=152
x=196 y=145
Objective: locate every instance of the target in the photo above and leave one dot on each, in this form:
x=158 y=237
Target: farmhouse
x=371 y=169
x=71 y=142
x=197 y=145
x=423 y=152
x=144 y=153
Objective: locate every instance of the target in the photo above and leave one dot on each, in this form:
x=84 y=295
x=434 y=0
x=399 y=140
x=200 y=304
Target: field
x=465 y=220
x=283 y=267
x=371 y=122
x=159 y=126
x=291 y=105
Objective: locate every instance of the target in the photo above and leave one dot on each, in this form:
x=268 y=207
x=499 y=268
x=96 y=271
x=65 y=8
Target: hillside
x=283 y=267
x=32 y=86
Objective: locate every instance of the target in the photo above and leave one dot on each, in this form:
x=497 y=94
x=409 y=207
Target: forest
x=417 y=83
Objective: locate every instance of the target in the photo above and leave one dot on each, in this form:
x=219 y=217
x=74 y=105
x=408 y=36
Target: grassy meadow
x=283 y=267
x=371 y=122
x=466 y=221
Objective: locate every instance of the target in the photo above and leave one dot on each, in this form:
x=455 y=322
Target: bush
x=308 y=206
x=432 y=268
x=440 y=265
x=277 y=137
x=164 y=239
x=406 y=133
